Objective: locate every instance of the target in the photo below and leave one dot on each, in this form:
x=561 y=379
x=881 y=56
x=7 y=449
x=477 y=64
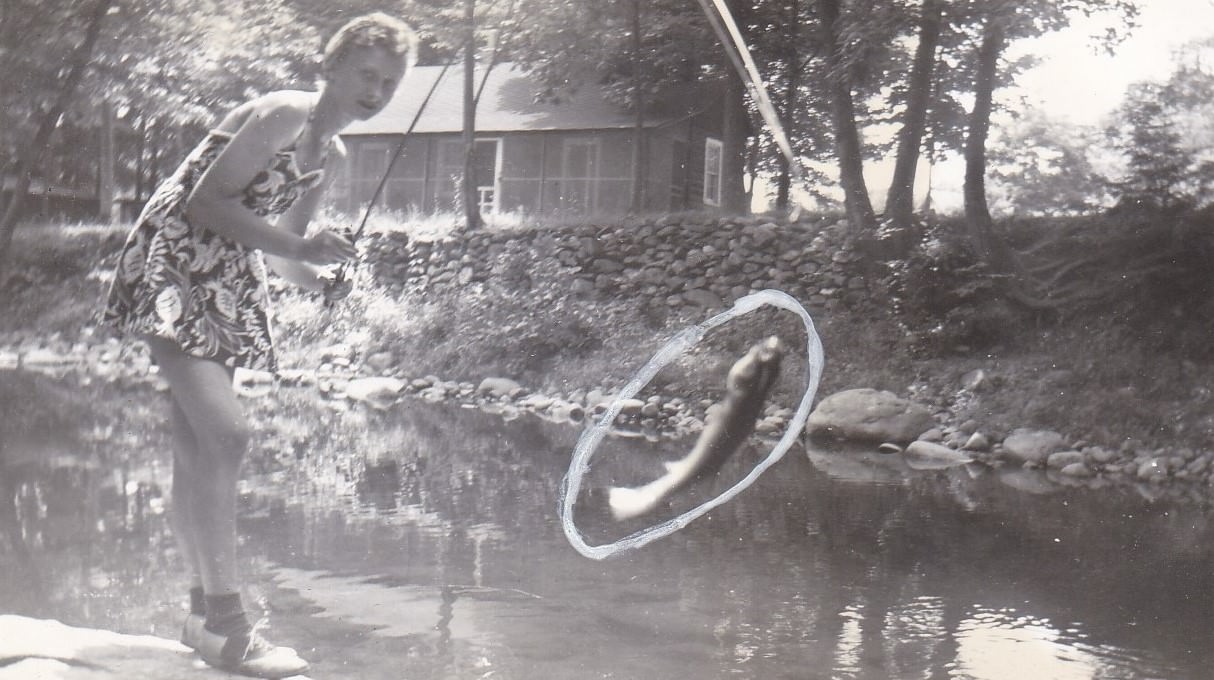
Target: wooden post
x=472 y=214
x=539 y=201
x=639 y=156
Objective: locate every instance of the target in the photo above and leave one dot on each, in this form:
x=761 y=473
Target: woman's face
x=364 y=80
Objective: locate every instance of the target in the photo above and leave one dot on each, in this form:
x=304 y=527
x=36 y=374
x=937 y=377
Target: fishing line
x=383 y=181
x=727 y=31
x=680 y=343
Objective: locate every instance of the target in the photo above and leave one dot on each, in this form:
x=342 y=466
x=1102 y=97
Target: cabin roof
x=507 y=104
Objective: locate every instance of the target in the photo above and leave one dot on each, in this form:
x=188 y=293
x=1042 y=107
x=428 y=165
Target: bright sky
x=1074 y=81
x=1080 y=83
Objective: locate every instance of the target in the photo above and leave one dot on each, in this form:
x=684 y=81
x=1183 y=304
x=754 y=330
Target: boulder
x=866 y=414
x=41 y=648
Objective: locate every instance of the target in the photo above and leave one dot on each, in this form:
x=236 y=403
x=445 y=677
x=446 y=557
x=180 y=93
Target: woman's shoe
x=191 y=633
x=248 y=654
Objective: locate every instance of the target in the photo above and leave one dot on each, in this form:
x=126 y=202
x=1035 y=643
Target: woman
x=190 y=281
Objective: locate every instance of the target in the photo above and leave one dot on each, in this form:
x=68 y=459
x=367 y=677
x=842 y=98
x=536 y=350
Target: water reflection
x=425 y=541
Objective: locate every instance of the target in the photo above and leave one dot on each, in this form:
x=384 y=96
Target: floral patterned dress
x=205 y=292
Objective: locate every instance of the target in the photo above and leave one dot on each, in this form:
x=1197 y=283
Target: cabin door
x=579 y=186
x=486 y=166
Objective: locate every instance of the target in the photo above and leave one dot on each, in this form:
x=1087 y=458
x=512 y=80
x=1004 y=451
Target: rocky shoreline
x=853 y=420
x=648 y=277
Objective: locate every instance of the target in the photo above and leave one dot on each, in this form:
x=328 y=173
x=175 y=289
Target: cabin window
x=578 y=189
x=372 y=163
x=713 y=160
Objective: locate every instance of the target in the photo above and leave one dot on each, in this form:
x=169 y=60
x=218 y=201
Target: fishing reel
x=339 y=285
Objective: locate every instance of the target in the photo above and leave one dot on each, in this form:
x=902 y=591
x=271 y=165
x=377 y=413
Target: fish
x=729 y=423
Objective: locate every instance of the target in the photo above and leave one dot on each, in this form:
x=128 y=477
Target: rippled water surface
x=424 y=541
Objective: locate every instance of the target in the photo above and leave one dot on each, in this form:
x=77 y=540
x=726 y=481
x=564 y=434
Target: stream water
x=424 y=541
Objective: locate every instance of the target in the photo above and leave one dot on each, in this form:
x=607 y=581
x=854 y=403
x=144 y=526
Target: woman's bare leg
x=203 y=391
x=185 y=457
x=210 y=424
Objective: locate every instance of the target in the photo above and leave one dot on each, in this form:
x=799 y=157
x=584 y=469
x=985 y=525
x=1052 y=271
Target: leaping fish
x=729 y=423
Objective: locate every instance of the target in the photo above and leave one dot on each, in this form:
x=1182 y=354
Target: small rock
x=1198 y=465
x=1032 y=446
x=703 y=298
x=537 y=402
x=976 y=380
x=934 y=435
x=380 y=361
x=631 y=407
x=605 y=265
x=921 y=455
x=1153 y=470
x=769 y=425
x=341 y=349
x=497 y=387
x=955 y=439
x=977 y=442
x=1078 y=469
x=1062 y=459
x=378 y=392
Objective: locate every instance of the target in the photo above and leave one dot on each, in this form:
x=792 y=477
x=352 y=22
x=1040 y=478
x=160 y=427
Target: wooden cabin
x=574 y=157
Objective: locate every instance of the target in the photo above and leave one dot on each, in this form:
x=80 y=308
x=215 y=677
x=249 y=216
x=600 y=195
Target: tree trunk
x=472 y=212
x=106 y=188
x=791 y=84
x=640 y=156
x=900 y=202
x=977 y=213
x=30 y=156
x=735 y=129
x=847 y=135
x=733 y=146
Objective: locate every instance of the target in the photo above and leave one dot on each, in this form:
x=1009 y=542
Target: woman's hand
x=336 y=289
x=328 y=247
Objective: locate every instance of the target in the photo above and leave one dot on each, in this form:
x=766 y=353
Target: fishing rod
x=340 y=277
x=730 y=36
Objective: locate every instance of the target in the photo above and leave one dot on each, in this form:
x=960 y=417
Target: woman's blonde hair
x=372 y=30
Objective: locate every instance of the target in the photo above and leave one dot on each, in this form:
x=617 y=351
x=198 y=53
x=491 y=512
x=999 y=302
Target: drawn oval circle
x=589 y=442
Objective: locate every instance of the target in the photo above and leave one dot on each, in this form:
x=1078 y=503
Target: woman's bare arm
x=296 y=220
x=216 y=202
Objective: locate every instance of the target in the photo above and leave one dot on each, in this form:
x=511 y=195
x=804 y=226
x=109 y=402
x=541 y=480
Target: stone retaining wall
x=680 y=260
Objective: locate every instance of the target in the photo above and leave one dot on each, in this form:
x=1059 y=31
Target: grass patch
x=56 y=275
x=1138 y=367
